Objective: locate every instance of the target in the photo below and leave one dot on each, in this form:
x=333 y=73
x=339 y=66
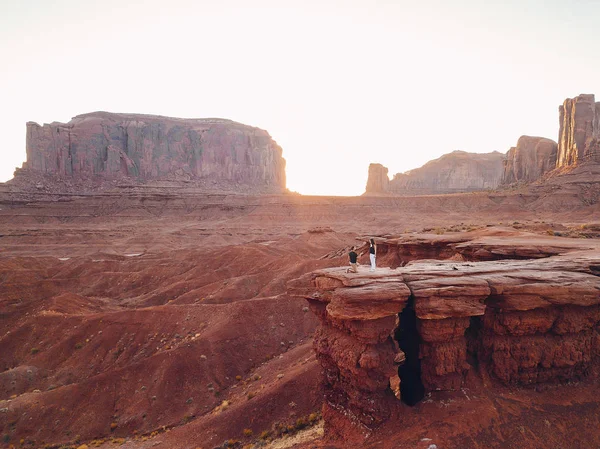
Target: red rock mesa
x=146 y=147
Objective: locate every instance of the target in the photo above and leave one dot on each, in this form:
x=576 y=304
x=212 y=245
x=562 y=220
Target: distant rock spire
x=579 y=134
x=378 y=181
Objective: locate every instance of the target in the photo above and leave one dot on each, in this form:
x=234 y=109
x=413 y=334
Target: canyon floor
x=156 y=316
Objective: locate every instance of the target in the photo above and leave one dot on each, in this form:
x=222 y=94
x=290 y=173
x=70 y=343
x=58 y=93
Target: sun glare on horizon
x=339 y=85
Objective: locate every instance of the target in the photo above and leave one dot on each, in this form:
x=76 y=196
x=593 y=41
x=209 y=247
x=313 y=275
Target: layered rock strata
x=529 y=160
x=146 y=147
x=424 y=327
x=355 y=343
x=579 y=134
x=458 y=171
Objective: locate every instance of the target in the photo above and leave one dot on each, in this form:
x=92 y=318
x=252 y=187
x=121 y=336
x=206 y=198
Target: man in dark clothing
x=353 y=261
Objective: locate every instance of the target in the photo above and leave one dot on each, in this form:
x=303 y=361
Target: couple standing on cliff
x=354 y=257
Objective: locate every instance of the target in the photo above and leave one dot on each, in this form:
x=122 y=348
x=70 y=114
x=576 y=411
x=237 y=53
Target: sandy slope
x=127 y=315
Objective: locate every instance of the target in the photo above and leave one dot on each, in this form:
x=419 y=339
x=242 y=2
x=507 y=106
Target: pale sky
x=338 y=84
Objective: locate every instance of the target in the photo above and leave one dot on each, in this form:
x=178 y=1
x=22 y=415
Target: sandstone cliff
x=579 y=134
x=146 y=147
x=434 y=325
x=458 y=171
x=578 y=142
x=529 y=160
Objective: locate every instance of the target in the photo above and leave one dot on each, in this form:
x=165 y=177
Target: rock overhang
x=458 y=286
x=524 y=319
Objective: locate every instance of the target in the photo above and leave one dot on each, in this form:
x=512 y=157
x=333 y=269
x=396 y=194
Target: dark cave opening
x=473 y=337
x=411 y=387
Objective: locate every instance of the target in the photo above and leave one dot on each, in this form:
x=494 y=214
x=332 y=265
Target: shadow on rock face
x=411 y=387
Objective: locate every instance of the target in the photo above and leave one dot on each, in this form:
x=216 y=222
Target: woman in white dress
x=372 y=254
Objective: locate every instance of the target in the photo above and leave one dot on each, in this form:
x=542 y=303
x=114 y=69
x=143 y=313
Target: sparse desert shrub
x=301 y=423
x=251 y=395
x=265 y=435
x=320 y=230
x=238 y=378
x=186 y=419
x=248 y=432
x=279 y=428
x=34 y=351
x=78 y=345
x=590 y=227
x=221 y=407
x=113 y=425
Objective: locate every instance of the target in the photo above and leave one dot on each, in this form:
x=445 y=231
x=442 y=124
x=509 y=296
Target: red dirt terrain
x=161 y=316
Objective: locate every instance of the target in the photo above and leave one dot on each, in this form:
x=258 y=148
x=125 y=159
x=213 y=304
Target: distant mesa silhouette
x=529 y=161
